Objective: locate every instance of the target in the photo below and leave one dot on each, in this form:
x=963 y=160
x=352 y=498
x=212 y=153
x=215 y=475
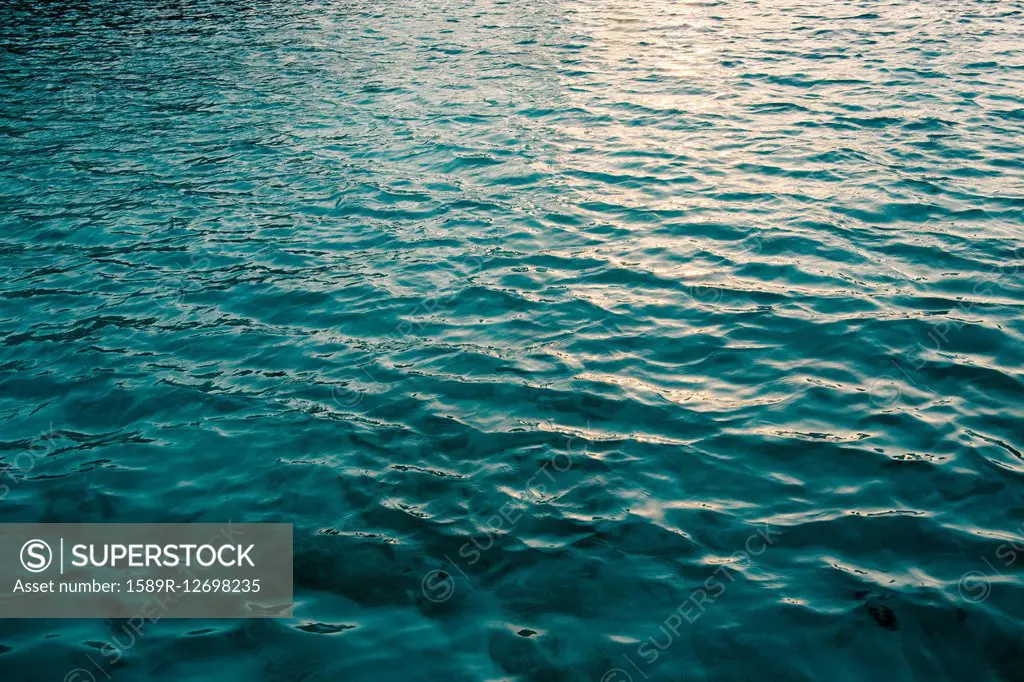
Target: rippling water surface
x=595 y=340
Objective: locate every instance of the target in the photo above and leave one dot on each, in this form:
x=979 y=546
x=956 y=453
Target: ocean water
x=595 y=340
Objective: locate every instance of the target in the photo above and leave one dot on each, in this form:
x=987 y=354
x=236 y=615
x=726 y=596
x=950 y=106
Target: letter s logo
x=36 y=556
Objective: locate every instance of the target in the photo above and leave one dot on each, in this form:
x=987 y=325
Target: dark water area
x=593 y=340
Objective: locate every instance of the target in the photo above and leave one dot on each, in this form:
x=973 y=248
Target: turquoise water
x=592 y=340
